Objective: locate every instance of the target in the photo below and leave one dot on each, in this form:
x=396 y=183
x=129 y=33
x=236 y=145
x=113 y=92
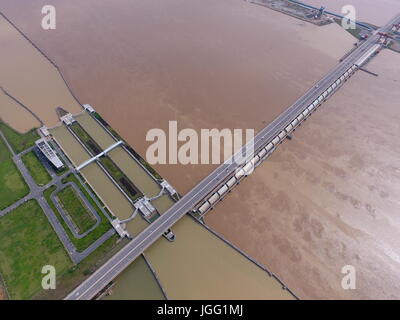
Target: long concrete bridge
x=273 y=133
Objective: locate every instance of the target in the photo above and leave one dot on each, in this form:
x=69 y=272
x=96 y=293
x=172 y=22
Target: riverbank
x=295 y=10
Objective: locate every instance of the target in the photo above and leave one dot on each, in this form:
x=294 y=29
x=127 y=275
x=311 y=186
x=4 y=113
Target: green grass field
x=18 y=141
x=36 y=169
x=103 y=227
x=27 y=243
x=85 y=138
x=123 y=181
x=12 y=185
x=112 y=169
x=77 y=210
x=79 y=273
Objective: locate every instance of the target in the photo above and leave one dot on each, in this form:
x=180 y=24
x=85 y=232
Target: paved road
x=97 y=281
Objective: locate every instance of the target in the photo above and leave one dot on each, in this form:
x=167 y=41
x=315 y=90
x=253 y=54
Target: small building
x=319 y=13
x=68 y=119
x=44 y=131
x=49 y=153
x=168 y=187
x=145 y=207
x=117 y=226
x=88 y=108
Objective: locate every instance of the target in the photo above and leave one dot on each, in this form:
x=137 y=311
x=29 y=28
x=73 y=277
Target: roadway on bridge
x=105 y=274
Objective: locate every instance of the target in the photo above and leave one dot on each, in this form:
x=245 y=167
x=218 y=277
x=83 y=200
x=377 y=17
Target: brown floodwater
x=136 y=283
x=28 y=76
x=206 y=64
x=330 y=197
x=15 y=115
x=198 y=265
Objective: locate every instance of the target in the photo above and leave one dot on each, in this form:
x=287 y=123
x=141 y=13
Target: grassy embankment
x=77 y=274
x=27 y=243
x=89 y=143
x=76 y=208
x=12 y=184
x=85 y=242
x=36 y=169
x=123 y=181
x=356 y=33
x=18 y=141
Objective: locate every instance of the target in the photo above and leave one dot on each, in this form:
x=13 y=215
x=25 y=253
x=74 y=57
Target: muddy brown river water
x=206 y=64
x=28 y=76
x=330 y=197
x=231 y=64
